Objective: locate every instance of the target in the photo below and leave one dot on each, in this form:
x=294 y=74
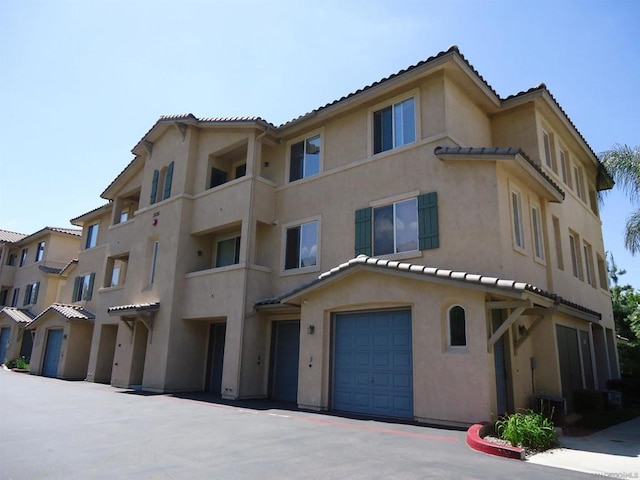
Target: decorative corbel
x=182 y=128
x=148 y=146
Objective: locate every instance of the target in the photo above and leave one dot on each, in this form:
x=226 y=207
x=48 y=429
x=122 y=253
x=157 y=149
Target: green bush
x=528 y=429
x=19 y=362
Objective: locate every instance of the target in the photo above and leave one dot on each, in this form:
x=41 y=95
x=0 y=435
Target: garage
x=372 y=363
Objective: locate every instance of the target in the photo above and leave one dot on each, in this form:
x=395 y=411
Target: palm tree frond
x=632 y=235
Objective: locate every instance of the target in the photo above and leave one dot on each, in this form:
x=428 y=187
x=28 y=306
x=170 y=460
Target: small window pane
x=383 y=230
x=292 y=248
x=226 y=253
x=406 y=222
x=382 y=130
x=296 y=161
x=312 y=156
x=405 y=122
x=308 y=244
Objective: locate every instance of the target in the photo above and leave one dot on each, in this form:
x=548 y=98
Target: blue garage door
x=373 y=370
x=52 y=353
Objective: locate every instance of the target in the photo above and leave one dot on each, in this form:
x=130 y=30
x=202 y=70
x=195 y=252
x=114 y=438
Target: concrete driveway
x=53 y=429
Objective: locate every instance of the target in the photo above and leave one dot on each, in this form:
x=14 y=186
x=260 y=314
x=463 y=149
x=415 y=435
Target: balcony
x=7 y=274
x=213 y=293
x=230 y=203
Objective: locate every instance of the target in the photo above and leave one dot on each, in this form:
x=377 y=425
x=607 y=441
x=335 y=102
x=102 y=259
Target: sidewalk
x=613 y=452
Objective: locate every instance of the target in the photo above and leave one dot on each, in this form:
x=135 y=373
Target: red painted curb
x=475 y=441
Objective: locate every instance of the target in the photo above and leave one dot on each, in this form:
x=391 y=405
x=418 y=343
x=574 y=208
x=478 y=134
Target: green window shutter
x=363 y=232
x=76 y=288
x=428 y=221
x=89 y=294
x=167 y=182
x=35 y=294
x=154 y=186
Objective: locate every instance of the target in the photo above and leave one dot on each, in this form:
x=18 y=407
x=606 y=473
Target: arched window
x=457 y=327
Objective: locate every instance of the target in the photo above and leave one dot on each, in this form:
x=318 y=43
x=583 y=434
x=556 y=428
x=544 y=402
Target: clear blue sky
x=81 y=81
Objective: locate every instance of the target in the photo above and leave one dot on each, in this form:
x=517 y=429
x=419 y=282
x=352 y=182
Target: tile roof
x=133 y=308
x=495 y=151
x=18 y=314
x=89 y=212
x=46 y=269
x=70 y=312
x=10 y=237
x=431 y=272
x=65 y=231
x=71 y=262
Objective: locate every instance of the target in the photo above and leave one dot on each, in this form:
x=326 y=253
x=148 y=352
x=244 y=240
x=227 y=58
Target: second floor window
x=228 y=252
x=394 y=126
x=301 y=246
x=305 y=158
x=31 y=294
x=83 y=287
x=516 y=207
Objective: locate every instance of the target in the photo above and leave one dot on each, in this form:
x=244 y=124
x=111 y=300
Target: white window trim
x=415 y=93
x=302 y=138
x=283 y=247
x=537 y=239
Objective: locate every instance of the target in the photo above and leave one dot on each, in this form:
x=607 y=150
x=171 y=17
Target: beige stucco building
x=31 y=279
x=421 y=248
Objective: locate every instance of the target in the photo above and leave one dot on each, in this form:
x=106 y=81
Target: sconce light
x=199 y=253
x=265 y=164
x=311 y=329
x=522 y=330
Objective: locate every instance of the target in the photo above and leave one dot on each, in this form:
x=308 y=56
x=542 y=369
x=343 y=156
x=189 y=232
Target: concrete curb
x=476 y=442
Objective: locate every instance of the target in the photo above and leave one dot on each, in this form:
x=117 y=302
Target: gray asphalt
x=54 y=429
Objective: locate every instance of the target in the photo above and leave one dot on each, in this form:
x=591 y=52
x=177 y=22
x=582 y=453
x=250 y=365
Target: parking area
x=54 y=429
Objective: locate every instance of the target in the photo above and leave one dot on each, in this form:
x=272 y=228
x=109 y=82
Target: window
x=588 y=264
x=602 y=272
x=154 y=258
x=457 y=327
x=395 y=228
x=31 y=294
x=564 y=165
x=11 y=260
x=558 y=241
x=547 y=149
x=23 y=257
x=516 y=207
x=228 y=252
x=241 y=170
x=576 y=261
x=116 y=271
x=593 y=201
x=161 y=183
x=402 y=226
x=394 y=126
x=579 y=182
x=92 y=236
x=536 y=223
x=83 y=287
x=124 y=214
x=301 y=247
x=40 y=252
x=3 y=297
x=304 y=160
x=16 y=296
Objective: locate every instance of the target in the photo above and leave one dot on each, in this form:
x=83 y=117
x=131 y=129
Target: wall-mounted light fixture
x=522 y=330
x=311 y=329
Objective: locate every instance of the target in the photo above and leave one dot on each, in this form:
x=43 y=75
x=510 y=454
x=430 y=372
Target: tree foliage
x=623 y=164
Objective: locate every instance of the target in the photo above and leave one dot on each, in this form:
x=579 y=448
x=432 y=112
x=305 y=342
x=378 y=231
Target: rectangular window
x=516 y=207
x=124 y=215
x=218 y=177
x=31 y=294
x=83 y=287
x=602 y=272
x=16 y=296
x=304 y=158
x=241 y=170
x=579 y=182
x=588 y=264
x=92 y=236
x=394 y=126
x=564 y=165
x=23 y=257
x=154 y=258
x=301 y=248
x=593 y=201
x=116 y=271
x=40 y=252
x=3 y=297
x=576 y=260
x=558 y=241
x=547 y=148
x=536 y=223
x=395 y=228
x=11 y=260
x=228 y=252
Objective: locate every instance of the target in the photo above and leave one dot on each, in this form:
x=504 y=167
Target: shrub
x=19 y=362
x=528 y=429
